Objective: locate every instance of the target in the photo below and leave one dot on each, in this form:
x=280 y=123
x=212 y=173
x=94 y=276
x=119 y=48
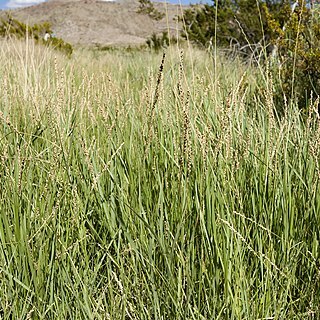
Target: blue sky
x=5 y=4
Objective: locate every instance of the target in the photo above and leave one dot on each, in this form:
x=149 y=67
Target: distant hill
x=92 y=22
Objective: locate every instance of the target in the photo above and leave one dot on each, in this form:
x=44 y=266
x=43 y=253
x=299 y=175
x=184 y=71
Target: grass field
x=137 y=186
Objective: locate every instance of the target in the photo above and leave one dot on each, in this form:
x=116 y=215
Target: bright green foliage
x=11 y=27
x=297 y=41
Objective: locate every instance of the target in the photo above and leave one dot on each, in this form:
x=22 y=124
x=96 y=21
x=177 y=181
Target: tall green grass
x=138 y=189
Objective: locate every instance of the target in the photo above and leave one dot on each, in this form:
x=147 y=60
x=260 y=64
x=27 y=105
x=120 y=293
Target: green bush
x=238 y=25
x=12 y=27
x=60 y=45
x=291 y=37
x=297 y=52
x=158 y=42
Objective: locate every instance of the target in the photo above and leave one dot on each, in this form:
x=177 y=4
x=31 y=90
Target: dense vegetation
x=11 y=27
x=238 y=25
x=136 y=186
x=288 y=32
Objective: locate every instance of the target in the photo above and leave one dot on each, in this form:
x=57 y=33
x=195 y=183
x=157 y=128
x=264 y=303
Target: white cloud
x=22 y=3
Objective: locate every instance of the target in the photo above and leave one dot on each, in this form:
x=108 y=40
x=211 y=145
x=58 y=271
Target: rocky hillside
x=99 y=23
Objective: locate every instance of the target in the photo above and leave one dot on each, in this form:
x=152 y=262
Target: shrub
x=147 y=7
x=61 y=45
x=290 y=34
x=239 y=24
x=13 y=27
x=297 y=50
x=158 y=42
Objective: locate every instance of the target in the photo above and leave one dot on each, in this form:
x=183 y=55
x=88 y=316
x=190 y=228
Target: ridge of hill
x=99 y=23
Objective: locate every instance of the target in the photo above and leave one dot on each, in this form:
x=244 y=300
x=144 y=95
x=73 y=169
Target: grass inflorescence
x=133 y=191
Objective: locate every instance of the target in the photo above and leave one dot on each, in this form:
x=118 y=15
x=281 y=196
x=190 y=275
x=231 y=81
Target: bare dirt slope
x=92 y=22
